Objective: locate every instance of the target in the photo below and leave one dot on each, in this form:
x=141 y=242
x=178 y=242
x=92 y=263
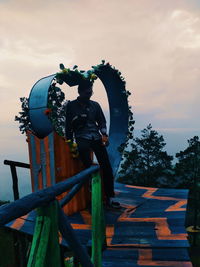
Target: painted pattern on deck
x=148 y=231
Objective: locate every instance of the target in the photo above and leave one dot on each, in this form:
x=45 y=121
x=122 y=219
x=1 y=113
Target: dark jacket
x=84 y=120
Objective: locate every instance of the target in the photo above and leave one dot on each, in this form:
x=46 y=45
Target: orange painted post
x=51 y=162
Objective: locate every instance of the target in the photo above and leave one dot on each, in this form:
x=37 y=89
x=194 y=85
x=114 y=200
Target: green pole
x=98 y=222
x=54 y=257
x=45 y=249
x=35 y=241
x=43 y=244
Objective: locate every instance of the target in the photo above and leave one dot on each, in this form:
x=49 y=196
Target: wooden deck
x=148 y=231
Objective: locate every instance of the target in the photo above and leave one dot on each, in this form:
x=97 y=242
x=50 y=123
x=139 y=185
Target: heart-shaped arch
x=118 y=106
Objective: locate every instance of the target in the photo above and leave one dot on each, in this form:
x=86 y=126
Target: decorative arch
x=117 y=99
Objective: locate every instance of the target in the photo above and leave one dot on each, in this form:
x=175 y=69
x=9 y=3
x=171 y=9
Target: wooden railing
x=13 y=165
x=48 y=208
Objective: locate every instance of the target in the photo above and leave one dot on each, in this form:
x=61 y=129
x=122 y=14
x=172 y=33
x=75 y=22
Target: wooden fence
x=52 y=219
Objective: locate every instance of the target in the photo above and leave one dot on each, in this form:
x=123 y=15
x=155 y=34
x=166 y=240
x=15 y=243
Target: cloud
x=155 y=44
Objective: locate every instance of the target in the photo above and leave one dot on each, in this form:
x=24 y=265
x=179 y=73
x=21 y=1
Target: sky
x=154 y=43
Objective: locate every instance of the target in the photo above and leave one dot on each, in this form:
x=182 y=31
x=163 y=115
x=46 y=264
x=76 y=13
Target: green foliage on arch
x=56 y=98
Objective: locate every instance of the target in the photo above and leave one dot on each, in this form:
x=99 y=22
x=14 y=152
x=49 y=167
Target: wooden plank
x=47 y=155
x=39 y=164
x=51 y=158
x=65 y=167
x=52 y=162
x=43 y=163
x=33 y=161
x=176 y=257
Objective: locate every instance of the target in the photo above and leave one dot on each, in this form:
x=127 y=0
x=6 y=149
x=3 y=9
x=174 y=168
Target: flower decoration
x=55 y=109
x=47 y=111
x=74 y=76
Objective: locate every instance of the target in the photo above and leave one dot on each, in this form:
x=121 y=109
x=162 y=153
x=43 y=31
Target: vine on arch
x=56 y=99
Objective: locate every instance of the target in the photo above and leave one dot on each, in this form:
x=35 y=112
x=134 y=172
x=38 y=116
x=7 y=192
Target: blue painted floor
x=150 y=230
x=147 y=231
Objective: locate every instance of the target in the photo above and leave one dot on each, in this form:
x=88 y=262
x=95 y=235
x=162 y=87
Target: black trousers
x=85 y=147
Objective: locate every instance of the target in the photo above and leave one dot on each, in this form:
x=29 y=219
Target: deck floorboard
x=147 y=231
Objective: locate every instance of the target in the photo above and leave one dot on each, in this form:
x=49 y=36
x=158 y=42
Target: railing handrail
x=42 y=197
x=13 y=165
x=16 y=164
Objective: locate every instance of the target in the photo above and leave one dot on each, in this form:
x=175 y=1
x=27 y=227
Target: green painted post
x=45 y=250
x=35 y=241
x=41 y=254
x=103 y=226
x=98 y=223
x=53 y=257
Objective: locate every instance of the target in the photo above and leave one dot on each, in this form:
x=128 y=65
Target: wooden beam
x=70 y=195
x=45 y=249
x=16 y=164
x=13 y=165
x=15 y=182
x=69 y=235
x=24 y=205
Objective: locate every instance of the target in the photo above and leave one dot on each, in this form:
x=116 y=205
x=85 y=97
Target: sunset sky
x=154 y=43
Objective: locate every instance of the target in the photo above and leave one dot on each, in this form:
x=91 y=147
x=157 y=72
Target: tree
x=146 y=163
x=187 y=168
